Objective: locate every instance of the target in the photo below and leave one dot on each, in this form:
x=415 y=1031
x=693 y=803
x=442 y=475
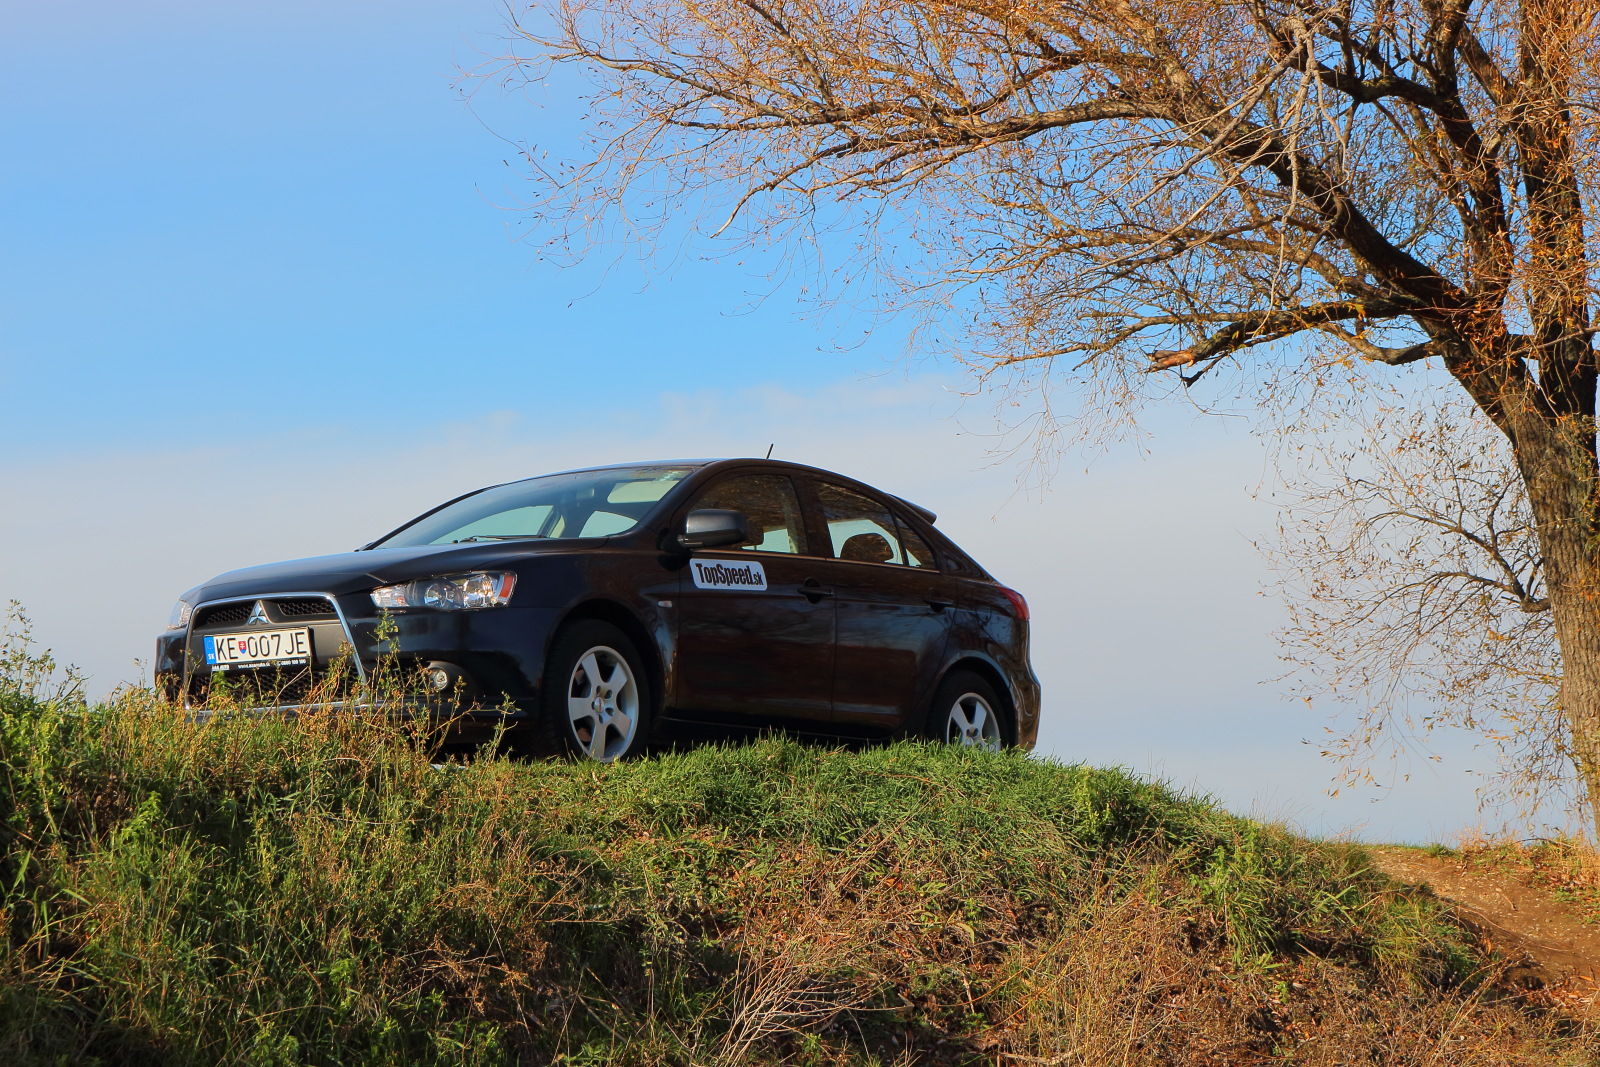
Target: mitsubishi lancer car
x=594 y=611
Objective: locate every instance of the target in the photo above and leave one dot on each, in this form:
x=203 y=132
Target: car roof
x=927 y=514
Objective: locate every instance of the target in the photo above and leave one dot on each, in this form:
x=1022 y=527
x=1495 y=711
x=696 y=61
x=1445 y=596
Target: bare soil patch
x=1552 y=944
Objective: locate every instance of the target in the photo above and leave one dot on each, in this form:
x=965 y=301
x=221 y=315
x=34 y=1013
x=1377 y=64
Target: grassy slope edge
x=261 y=892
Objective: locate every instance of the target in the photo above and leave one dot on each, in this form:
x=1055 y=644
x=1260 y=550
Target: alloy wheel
x=603 y=703
x=972 y=723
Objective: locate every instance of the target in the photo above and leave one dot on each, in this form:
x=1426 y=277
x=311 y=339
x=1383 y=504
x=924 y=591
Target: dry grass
x=256 y=891
x=1569 y=866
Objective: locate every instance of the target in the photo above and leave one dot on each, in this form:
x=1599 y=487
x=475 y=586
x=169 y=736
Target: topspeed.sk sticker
x=724 y=574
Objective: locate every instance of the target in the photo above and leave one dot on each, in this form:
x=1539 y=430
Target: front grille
x=305 y=607
x=332 y=676
x=297 y=608
x=223 y=614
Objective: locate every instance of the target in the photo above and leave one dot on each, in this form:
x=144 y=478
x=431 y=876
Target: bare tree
x=1416 y=592
x=1124 y=186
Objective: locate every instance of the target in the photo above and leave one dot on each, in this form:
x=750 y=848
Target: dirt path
x=1552 y=948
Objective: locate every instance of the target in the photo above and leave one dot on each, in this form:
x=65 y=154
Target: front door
x=755 y=626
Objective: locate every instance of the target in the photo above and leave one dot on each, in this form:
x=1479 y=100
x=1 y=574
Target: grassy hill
x=262 y=892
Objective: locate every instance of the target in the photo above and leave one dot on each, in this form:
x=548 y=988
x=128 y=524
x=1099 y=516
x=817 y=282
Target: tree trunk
x=1551 y=421
x=1556 y=456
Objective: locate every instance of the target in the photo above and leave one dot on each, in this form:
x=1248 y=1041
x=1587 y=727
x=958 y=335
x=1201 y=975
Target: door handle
x=940 y=605
x=813 y=590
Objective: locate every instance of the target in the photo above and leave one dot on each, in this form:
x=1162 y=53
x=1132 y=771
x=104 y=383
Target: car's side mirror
x=713 y=528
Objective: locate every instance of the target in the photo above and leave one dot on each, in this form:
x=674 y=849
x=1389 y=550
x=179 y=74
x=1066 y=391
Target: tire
x=967 y=711
x=595 y=701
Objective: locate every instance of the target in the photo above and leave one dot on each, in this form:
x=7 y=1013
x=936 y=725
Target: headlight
x=181 y=613
x=450 y=592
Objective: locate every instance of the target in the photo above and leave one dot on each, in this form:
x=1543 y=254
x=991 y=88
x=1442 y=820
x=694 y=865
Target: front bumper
x=363 y=661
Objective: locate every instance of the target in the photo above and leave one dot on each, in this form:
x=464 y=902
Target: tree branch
x=1263 y=325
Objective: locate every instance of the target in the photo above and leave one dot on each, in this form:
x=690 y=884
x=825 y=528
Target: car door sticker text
x=714 y=574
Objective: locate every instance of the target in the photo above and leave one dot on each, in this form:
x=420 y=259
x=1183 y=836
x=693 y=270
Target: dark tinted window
x=860 y=529
x=955 y=560
x=769 y=502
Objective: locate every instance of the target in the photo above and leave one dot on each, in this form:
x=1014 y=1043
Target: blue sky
x=302 y=199
x=265 y=295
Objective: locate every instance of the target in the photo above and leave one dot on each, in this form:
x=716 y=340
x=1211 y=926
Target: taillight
x=1016 y=602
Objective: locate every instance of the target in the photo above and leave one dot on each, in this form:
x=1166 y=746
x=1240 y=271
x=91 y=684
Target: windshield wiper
x=495 y=537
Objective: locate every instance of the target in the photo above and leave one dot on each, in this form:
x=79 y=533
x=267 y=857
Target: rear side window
x=955 y=560
x=861 y=530
x=918 y=554
x=769 y=502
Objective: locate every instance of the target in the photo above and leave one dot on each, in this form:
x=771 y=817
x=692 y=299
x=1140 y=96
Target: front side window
x=769 y=502
x=579 y=504
x=861 y=530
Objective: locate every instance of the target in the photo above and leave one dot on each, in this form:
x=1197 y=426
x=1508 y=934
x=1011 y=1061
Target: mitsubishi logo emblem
x=258 y=614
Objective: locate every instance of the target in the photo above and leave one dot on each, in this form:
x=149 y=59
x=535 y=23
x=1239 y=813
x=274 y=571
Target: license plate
x=259 y=648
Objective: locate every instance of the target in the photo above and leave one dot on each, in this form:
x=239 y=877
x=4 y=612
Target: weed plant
x=254 y=890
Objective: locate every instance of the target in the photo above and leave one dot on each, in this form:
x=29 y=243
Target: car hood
x=353 y=572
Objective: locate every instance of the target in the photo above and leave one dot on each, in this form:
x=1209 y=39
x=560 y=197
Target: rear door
x=754 y=621
x=893 y=621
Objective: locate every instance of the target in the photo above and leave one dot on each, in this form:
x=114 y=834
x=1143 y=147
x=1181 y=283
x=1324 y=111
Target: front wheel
x=596 y=702
x=968 y=712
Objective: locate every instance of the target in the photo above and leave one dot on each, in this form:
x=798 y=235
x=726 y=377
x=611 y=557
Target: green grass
x=264 y=892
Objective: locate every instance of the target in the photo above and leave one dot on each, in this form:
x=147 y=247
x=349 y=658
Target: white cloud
x=1151 y=635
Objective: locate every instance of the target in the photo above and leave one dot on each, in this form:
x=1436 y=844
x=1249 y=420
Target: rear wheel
x=968 y=712
x=596 y=702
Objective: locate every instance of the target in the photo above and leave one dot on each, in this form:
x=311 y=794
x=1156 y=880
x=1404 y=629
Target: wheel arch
x=618 y=615
x=990 y=673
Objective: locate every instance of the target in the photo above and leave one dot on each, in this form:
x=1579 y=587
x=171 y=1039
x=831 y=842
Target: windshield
x=580 y=504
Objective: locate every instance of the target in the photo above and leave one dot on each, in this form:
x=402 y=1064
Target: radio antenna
x=769 y=450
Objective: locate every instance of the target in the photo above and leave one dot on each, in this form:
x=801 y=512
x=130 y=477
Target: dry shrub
x=793 y=977
x=810 y=958
x=1101 y=992
x=1140 y=983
